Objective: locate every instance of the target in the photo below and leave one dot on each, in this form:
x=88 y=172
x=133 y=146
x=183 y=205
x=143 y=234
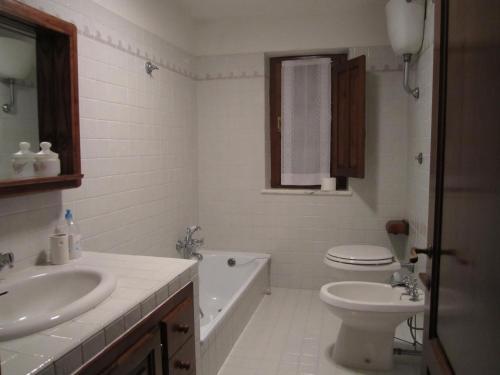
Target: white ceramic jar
x=23 y=162
x=47 y=163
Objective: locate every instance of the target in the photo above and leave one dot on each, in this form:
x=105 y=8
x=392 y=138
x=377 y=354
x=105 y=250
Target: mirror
x=18 y=94
x=39 y=120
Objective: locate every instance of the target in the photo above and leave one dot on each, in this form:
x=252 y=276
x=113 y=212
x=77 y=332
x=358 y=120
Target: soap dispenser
x=23 y=162
x=47 y=163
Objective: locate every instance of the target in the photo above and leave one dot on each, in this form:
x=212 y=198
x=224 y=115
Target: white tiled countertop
x=142 y=284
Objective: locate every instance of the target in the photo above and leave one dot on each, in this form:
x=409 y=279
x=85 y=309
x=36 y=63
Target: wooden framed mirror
x=39 y=94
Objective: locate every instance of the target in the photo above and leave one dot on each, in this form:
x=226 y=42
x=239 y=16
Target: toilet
x=370 y=313
x=361 y=263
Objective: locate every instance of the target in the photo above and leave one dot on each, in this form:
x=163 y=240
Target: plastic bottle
x=74 y=236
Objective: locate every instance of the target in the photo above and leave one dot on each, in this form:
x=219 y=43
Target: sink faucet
x=188 y=246
x=6 y=259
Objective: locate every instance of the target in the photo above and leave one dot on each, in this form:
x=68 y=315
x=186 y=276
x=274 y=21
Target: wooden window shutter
x=348 y=118
x=275 y=109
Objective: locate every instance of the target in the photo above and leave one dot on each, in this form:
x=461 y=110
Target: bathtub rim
x=235 y=253
x=214 y=325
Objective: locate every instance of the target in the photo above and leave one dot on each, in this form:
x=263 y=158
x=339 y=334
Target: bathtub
x=228 y=297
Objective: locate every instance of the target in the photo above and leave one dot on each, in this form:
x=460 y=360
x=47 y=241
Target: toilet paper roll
x=328 y=184
x=59 y=249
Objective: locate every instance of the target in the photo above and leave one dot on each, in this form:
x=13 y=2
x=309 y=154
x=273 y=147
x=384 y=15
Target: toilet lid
x=360 y=254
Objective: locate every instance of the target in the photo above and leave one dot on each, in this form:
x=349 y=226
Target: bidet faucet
x=405 y=282
x=6 y=259
x=188 y=246
x=410 y=284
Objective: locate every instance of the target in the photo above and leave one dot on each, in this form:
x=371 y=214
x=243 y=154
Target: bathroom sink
x=46 y=299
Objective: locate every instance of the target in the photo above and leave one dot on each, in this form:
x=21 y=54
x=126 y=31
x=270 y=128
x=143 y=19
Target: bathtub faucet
x=6 y=259
x=188 y=246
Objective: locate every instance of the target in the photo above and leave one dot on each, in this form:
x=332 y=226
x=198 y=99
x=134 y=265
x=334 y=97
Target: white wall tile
x=138 y=141
x=419 y=140
x=145 y=139
x=296 y=230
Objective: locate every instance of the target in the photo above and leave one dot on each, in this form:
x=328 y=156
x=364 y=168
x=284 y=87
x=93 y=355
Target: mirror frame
x=59 y=114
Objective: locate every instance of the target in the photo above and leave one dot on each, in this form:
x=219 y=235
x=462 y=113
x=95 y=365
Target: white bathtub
x=222 y=285
x=228 y=298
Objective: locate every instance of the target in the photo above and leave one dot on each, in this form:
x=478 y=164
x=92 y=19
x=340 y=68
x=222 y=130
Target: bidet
x=370 y=313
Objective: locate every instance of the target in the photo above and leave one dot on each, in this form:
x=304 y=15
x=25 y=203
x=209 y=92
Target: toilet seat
x=363 y=255
x=361 y=262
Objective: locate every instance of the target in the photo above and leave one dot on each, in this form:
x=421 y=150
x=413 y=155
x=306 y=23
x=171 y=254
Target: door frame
x=435 y=360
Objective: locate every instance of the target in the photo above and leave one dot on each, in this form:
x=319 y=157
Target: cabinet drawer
x=183 y=362
x=178 y=326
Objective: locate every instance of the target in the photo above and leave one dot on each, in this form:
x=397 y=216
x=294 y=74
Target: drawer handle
x=184 y=328
x=181 y=365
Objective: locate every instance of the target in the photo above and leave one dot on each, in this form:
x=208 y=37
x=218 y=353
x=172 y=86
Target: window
x=317 y=108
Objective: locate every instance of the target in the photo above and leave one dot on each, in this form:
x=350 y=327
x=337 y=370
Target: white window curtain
x=306 y=121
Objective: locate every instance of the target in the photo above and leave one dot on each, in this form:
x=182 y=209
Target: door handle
x=429 y=251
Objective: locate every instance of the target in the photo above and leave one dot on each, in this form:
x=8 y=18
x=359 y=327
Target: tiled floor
x=292 y=333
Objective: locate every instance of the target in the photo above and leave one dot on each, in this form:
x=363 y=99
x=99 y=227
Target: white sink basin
x=46 y=299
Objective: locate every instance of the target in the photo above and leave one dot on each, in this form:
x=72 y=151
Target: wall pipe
x=416 y=91
x=7 y=107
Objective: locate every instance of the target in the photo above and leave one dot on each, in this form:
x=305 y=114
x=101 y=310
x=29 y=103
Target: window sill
x=345 y=193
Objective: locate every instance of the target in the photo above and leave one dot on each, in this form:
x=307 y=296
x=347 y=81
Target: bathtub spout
x=197 y=255
x=202 y=315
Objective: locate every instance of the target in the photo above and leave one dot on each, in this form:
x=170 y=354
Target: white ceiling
x=214 y=9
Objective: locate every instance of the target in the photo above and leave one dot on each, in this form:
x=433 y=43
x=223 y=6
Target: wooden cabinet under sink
x=178 y=344
x=144 y=357
x=162 y=343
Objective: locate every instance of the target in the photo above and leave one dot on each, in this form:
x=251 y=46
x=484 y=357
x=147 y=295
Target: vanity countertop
x=143 y=283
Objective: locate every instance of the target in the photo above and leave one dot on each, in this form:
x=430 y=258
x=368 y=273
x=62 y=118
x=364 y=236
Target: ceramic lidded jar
x=47 y=163
x=23 y=162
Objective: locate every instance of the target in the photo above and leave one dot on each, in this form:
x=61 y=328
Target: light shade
x=405 y=25
x=17 y=58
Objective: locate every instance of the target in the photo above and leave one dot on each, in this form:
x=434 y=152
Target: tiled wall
x=141 y=151
x=419 y=139
x=166 y=18
x=138 y=142
x=296 y=230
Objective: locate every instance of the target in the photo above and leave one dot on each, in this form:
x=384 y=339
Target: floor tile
x=292 y=333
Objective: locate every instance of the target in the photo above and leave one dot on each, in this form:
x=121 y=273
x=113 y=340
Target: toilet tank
x=405 y=22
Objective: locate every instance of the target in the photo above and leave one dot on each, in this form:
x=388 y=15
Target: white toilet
x=370 y=313
x=362 y=263
x=369 y=307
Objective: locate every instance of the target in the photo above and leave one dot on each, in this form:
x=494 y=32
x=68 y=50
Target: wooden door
x=462 y=334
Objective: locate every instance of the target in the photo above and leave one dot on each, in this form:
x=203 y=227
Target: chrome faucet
x=411 y=286
x=188 y=246
x=6 y=259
